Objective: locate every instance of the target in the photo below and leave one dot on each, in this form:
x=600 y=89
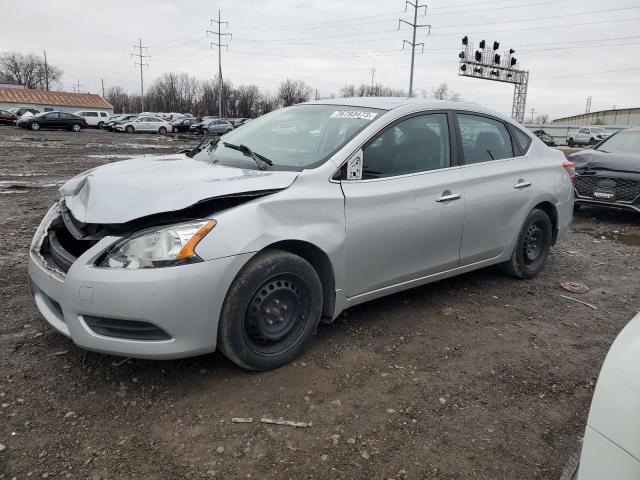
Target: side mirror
x=354 y=166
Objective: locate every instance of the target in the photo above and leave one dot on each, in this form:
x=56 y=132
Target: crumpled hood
x=594 y=159
x=123 y=191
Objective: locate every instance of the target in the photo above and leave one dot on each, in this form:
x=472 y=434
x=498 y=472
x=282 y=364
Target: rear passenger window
x=418 y=144
x=522 y=139
x=484 y=139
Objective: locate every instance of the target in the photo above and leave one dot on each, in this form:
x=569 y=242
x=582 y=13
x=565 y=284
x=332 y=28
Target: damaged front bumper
x=155 y=313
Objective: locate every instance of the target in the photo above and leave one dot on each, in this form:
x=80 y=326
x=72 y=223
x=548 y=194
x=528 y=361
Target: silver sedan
x=247 y=242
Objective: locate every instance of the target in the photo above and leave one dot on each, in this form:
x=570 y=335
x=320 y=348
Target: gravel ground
x=477 y=377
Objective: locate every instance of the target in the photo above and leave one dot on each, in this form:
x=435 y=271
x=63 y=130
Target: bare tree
x=117 y=97
x=293 y=91
x=443 y=93
x=542 y=119
x=348 y=91
x=28 y=70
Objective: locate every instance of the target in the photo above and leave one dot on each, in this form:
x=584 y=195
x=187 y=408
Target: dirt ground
x=476 y=377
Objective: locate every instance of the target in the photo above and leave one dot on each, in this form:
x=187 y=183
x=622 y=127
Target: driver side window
x=417 y=144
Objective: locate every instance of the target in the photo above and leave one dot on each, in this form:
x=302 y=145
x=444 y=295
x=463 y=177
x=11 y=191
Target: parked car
x=118 y=120
x=144 y=123
x=608 y=175
x=7 y=118
x=211 y=125
x=183 y=124
x=246 y=242
x=55 y=120
x=94 y=118
x=545 y=137
x=587 y=136
x=611 y=445
x=18 y=112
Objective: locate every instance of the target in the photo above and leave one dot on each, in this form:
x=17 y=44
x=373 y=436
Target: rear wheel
x=205 y=131
x=76 y=127
x=35 y=126
x=271 y=311
x=571 y=142
x=532 y=248
x=175 y=130
x=129 y=129
x=162 y=130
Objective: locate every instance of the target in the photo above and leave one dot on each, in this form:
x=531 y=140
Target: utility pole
x=102 y=82
x=413 y=43
x=46 y=71
x=533 y=111
x=373 y=74
x=76 y=87
x=219 y=33
x=140 y=62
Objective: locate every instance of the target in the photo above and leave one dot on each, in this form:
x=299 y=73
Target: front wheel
x=271 y=311
x=129 y=129
x=175 y=130
x=592 y=141
x=571 y=143
x=532 y=248
x=204 y=131
x=162 y=130
x=76 y=127
x=100 y=125
x=35 y=126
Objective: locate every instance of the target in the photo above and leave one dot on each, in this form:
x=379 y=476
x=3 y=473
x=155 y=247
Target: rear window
x=522 y=139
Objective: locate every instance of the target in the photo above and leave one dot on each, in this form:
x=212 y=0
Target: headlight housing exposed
x=159 y=247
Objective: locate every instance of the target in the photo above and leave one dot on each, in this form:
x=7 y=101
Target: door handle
x=451 y=196
x=522 y=185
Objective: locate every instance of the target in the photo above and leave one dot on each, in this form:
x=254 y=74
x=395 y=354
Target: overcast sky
x=573 y=48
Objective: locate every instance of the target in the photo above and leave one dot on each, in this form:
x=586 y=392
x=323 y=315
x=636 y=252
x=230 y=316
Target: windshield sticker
x=353 y=114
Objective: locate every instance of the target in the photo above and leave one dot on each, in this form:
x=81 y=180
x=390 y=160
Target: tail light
x=570 y=167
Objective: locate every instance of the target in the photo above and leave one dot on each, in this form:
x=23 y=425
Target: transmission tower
x=416 y=6
x=139 y=49
x=219 y=33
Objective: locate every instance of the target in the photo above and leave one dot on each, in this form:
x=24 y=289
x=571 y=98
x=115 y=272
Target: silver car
x=245 y=243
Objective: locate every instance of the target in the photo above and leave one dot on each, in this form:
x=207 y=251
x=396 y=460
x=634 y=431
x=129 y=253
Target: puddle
x=625 y=238
x=14 y=186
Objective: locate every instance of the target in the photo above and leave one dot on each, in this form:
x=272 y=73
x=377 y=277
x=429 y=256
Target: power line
x=219 y=23
x=413 y=43
x=140 y=62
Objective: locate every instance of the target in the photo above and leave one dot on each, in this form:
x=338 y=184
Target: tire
x=204 y=131
x=175 y=130
x=592 y=141
x=76 y=127
x=100 y=124
x=271 y=311
x=162 y=130
x=532 y=247
x=129 y=129
x=571 y=143
x=35 y=126
x=229 y=130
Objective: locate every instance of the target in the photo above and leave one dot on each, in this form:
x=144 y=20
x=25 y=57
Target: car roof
x=390 y=103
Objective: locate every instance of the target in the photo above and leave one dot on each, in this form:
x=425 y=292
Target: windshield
x=293 y=138
x=623 y=142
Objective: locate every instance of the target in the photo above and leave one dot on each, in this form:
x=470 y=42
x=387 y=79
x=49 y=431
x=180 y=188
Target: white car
x=587 y=136
x=94 y=118
x=145 y=123
x=611 y=446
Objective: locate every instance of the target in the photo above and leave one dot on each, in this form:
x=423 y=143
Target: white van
x=94 y=118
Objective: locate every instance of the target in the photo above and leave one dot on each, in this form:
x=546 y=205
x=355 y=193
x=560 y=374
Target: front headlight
x=160 y=247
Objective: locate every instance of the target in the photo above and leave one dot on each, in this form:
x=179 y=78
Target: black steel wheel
x=532 y=247
x=162 y=130
x=35 y=126
x=571 y=143
x=271 y=311
x=129 y=129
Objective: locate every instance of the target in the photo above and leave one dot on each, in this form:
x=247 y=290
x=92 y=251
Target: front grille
x=65 y=242
x=125 y=329
x=626 y=190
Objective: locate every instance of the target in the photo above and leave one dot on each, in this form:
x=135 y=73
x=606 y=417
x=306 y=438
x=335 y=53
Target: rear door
x=404 y=216
x=51 y=120
x=498 y=187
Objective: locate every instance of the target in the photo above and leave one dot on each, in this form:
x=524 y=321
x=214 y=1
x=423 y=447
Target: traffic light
x=465 y=40
x=482 y=44
x=496 y=45
x=461 y=55
x=496 y=59
x=463 y=68
x=478 y=56
x=514 y=60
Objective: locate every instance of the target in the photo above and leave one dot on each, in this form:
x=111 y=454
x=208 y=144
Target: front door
x=498 y=188
x=404 y=216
